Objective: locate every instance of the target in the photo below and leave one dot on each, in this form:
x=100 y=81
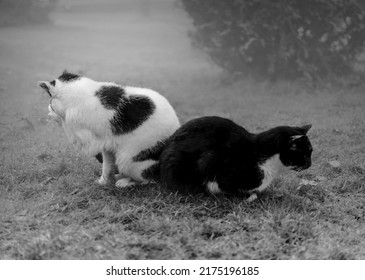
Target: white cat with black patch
x=128 y=125
x=215 y=155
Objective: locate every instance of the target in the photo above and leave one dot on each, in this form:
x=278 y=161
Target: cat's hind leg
x=125 y=182
x=138 y=173
x=108 y=171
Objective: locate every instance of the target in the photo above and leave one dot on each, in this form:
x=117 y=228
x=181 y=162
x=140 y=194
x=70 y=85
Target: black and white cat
x=216 y=155
x=128 y=125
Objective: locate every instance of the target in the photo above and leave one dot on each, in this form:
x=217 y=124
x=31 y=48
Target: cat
x=127 y=125
x=215 y=155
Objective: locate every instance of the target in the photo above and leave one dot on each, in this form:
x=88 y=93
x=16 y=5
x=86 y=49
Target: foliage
x=22 y=12
x=314 y=39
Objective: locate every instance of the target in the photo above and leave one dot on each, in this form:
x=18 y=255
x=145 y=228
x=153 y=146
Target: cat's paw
x=120 y=176
x=252 y=198
x=124 y=182
x=103 y=181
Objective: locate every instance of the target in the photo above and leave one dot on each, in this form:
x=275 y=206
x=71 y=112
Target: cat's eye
x=53 y=83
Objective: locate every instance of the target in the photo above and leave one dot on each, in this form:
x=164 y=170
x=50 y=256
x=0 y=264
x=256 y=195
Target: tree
x=282 y=39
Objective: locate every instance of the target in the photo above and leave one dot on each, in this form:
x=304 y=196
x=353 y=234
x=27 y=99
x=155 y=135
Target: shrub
x=20 y=12
x=282 y=39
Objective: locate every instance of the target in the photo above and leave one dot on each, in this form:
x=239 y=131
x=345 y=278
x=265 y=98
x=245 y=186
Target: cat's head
x=62 y=93
x=295 y=148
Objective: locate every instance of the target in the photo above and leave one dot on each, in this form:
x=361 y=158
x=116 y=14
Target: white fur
x=271 y=168
x=213 y=187
x=252 y=198
x=87 y=123
x=124 y=182
x=296 y=137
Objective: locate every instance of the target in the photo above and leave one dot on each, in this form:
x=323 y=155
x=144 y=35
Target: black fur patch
x=53 y=83
x=112 y=97
x=68 y=77
x=152 y=172
x=99 y=157
x=152 y=153
x=130 y=112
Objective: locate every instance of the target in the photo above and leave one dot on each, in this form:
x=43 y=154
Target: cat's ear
x=46 y=86
x=305 y=128
x=293 y=144
x=293 y=141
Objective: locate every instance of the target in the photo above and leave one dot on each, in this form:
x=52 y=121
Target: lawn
x=51 y=207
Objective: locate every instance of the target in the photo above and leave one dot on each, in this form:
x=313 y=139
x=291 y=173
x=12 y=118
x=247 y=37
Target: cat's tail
x=175 y=175
x=152 y=173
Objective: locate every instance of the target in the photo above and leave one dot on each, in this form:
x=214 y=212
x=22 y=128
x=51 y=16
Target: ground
x=51 y=208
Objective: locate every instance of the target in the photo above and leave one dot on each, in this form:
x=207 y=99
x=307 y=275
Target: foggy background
x=137 y=42
x=50 y=205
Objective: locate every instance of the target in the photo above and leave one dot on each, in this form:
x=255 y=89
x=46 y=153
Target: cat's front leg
x=108 y=171
x=252 y=197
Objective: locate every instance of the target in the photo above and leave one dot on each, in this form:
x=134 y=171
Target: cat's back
x=212 y=137
x=199 y=149
x=163 y=112
x=158 y=99
x=209 y=130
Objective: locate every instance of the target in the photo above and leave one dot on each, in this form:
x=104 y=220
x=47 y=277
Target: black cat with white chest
x=215 y=155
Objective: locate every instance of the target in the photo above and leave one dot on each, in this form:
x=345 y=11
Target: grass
x=52 y=209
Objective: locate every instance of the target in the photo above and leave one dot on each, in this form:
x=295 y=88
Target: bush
x=20 y=12
x=282 y=39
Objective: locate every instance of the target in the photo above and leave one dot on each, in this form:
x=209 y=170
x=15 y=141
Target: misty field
x=51 y=207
